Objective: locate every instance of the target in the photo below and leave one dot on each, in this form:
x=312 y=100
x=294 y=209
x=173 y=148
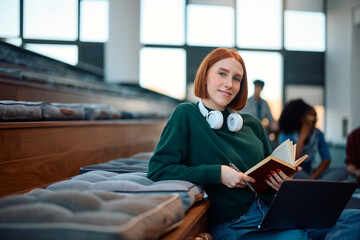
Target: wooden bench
x=35 y=154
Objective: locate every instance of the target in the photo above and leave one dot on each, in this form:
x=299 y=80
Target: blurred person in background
x=353 y=154
x=297 y=123
x=259 y=108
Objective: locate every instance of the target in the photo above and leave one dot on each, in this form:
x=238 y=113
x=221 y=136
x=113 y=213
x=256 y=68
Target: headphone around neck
x=215 y=118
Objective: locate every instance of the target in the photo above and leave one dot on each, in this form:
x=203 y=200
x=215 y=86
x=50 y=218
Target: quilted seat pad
x=68 y=214
x=134 y=183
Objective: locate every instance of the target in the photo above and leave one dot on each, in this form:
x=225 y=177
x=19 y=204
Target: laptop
x=307 y=204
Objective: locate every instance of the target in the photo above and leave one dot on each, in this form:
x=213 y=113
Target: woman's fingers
x=232 y=178
x=276 y=178
x=248 y=179
x=282 y=175
x=272 y=185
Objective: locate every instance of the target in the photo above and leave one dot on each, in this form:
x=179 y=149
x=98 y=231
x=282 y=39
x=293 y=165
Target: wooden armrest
x=195 y=222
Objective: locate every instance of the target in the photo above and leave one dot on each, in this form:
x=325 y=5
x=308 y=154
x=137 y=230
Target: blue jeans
x=245 y=227
x=347 y=227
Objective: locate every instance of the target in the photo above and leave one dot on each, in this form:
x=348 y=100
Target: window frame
x=84 y=47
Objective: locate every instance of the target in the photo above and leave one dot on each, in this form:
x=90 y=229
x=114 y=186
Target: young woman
x=297 y=123
x=201 y=139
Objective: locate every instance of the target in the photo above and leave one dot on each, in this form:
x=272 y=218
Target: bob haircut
x=213 y=57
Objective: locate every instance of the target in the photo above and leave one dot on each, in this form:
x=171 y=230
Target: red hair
x=213 y=57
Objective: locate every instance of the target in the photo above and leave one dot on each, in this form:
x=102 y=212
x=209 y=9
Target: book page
x=300 y=160
x=284 y=152
x=294 y=151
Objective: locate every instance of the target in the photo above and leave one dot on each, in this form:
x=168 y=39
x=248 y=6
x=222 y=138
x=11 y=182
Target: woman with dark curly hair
x=297 y=123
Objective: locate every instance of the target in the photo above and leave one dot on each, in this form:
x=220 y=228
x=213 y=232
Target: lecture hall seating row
x=36 y=154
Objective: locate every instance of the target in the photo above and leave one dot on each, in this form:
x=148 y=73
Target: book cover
x=261 y=170
x=283 y=158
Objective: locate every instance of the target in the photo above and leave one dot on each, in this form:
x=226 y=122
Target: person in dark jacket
x=353 y=154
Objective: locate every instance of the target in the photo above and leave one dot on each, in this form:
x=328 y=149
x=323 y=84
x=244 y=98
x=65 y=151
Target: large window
x=304 y=31
x=266 y=66
x=262 y=30
x=9 y=18
x=177 y=32
x=163 y=70
x=209 y=25
x=55 y=28
x=162 y=22
x=55 y=19
x=259 y=24
x=94 y=21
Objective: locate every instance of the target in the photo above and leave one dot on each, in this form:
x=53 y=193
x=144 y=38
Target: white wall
x=341 y=84
x=123 y=47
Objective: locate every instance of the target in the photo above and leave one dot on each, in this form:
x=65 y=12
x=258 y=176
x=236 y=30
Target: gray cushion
x=20 y=111
x=121 y=165
x=62 y=111
x=100 y=112
x=135 y=183
x=43 y=214
x=143 y=155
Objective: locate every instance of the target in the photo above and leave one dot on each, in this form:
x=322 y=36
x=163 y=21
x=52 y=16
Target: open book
x=283 y=158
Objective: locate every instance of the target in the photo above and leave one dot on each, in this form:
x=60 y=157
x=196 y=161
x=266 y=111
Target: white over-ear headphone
x=215 y=118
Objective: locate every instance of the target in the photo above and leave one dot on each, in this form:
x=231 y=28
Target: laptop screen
x=307 y=204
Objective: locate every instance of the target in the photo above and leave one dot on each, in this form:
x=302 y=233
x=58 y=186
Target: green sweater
x=190 y=150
